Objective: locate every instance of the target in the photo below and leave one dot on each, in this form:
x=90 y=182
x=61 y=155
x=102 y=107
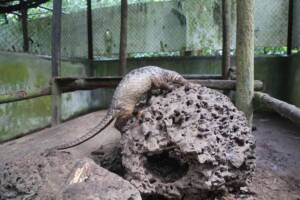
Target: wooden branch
x=226 y=16
x=56 y=63
x=225 y=84
x=284 y=109
x=24 y=18
x=89 y=23
x=23 y=95
x=202 y=76
x=89 y=29
x=245 y=57
x=123 y=38
x=70 y=84
x=290 y=28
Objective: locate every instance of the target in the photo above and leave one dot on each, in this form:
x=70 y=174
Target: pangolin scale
x=132 y=87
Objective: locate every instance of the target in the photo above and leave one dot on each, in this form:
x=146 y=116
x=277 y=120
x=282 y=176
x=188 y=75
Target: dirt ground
x=278 y=150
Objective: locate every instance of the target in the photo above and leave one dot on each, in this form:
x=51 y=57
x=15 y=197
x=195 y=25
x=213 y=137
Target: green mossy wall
x=27 y=73
x=22 y=72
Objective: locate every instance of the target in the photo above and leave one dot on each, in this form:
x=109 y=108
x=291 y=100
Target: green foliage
x=270 y=50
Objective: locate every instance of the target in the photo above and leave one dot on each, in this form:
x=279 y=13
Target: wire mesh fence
x=296 y=25
x=155 y=27
x=11 y=37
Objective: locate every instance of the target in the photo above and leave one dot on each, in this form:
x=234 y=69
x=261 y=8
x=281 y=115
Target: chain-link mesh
x=106 y=29
x=154 y=27
x=40 y=36
x=74 y=34
x=271 y=23
x=296 y=25
x=11 y=37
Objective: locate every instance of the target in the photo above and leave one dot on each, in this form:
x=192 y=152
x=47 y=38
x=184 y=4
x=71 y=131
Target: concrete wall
x=27 y=73
x=293 y=80
x=269 y=69
x=22 y=72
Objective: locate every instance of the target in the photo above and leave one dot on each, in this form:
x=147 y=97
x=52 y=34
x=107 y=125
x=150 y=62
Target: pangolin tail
x=108 y=118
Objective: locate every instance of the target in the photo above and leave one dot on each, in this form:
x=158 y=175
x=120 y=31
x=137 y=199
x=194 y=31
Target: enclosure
x=62 y=59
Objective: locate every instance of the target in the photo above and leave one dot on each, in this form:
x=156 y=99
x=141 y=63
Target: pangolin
x=132 y=87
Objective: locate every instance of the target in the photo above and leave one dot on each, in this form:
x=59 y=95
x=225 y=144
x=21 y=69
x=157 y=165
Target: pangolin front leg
x=123 y=118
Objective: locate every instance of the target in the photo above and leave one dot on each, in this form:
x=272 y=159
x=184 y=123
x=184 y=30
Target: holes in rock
x=235 y=128
x=215 y=116
x=239 y=141
x=205 y=104
x=189 y=102
x=176 y=113
x=166 y=168
x=177 y=120
x=147 y=135
x=152 y=180
x=159 y=117
x=153 y=197
x=200 y=136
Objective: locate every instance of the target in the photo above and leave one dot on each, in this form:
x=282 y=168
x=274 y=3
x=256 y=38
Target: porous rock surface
x=191 y=143
x=59 y=176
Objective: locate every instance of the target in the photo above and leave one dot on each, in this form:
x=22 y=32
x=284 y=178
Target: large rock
x=59 y=176
x=191 y=143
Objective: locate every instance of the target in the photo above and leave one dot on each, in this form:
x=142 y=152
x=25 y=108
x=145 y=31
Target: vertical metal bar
x=24 y=18
x=56 y=56
x=226 y=5
x=123 y=38
x=245 y=57
x=90 y=37
x=290 y=27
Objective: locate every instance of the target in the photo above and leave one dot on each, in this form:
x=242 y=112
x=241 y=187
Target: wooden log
x=286 y=110
x=56 y=92
x=226 y=16
x=70 y=84
x=290 y=28
x=90 y=37
x=225 y=84
x=245 y=57
x=186 y=76
x=23 y=95
x=202 y=76
x=56 y=56
x=123 y=38
x=24 y=18
x=73 y=84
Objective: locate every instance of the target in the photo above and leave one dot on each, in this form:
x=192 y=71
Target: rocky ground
x=191 y=143
x=276 y=176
